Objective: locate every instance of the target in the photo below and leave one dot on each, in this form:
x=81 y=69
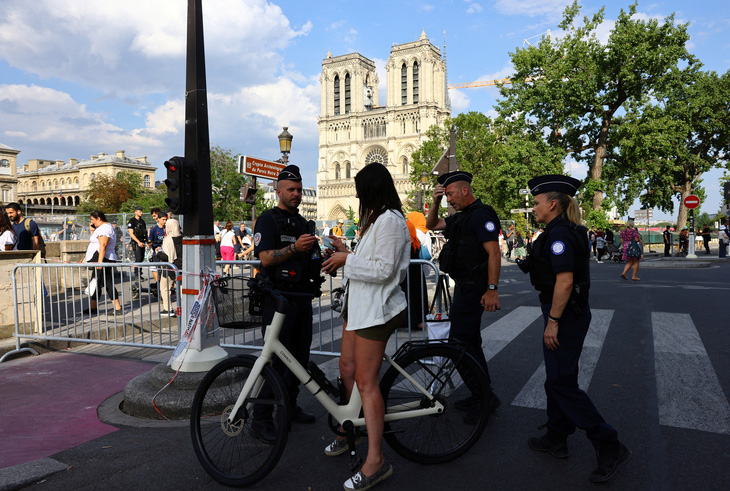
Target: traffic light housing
x=726 y=188
x=248 y=194
x=179 y=185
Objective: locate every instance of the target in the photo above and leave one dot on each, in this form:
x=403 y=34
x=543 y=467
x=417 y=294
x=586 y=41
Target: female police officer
x=559 y=270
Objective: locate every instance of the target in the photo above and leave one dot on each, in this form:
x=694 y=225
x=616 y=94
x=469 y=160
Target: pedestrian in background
x=600 y=245
x=723 y=237
x=228 y=240
x=101 y=249
x=667 y=241
x=706 y=235
x=7 y=233
x=27 y=233
x=632 y=247
x=170 y=252
x=510 y=238
x=520 y=246
x=559 y=269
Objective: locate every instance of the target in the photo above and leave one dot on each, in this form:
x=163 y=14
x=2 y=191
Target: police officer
x=290 y=257
x=559 y=270
x=471 y=256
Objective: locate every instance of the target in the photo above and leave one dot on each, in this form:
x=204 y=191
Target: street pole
x=691 y=253
x=198 y=241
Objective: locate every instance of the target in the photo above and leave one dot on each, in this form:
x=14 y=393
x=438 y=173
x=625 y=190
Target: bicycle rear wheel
x=450 y=375
x=230 y=451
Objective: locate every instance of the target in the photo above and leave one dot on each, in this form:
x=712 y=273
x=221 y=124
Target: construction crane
x=501 y=81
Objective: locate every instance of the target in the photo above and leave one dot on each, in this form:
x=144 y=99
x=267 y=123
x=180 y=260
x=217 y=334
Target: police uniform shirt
x=265 y=238
x=138 y=227
x=481 y=222
x=561 y=247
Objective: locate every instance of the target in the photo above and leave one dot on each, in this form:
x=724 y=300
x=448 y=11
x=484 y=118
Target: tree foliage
x=501 y=157
x=570 y=91
x=120 y=193
x=227 y=183
x=675 y=137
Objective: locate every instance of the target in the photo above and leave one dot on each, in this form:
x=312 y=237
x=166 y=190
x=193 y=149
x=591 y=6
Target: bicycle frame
x=350 y=411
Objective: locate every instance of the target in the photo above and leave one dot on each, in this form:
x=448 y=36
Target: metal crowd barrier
x=326 y=324
x=50 y=300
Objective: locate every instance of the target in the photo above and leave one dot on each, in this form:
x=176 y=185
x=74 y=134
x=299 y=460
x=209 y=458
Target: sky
x=80 y=77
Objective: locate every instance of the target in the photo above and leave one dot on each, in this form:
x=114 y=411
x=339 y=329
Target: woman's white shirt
x=374 y=273
x=7 y=237
x=227 y=238
x=104 y=230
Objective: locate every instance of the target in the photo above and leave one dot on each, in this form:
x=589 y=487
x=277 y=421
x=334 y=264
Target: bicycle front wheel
x=233 y=452
x=454 y=379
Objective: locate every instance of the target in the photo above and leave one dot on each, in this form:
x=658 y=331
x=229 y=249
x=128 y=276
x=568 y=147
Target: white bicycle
x=422 y=389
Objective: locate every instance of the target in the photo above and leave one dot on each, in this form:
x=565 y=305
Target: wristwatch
x=491 y=286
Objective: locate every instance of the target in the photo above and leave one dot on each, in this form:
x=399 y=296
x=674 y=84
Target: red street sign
x=259 y=167
x=691 y=202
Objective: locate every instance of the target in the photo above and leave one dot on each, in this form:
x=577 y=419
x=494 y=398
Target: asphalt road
x=656 y=365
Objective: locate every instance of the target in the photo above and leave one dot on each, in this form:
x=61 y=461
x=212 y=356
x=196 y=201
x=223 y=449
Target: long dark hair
x=98 y=214
x=5 y=223
x=376 y=191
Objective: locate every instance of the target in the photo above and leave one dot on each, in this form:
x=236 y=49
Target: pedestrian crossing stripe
x=688 y=390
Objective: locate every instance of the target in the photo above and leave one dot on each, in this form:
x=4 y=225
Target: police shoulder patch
x=257 y=238
x=558 y=248
x=490 y=226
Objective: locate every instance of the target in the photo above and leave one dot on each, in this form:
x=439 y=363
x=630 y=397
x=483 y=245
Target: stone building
x=8 y=173
x=354 y=130
x=58 y=186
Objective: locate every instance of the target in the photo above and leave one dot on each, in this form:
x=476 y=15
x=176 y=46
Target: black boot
x=551 y=442
x=611 y=456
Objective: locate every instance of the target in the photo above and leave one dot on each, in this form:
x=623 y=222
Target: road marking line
x=533 y=393
x=689 y=392
x=503 y=331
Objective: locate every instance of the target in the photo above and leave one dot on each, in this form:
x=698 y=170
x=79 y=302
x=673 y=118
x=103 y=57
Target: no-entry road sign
x=691 y=202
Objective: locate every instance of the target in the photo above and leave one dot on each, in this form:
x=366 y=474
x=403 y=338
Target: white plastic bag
x=91 y=288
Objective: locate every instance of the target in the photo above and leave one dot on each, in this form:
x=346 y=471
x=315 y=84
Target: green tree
x=227 y=183
x=682 y=132
x=501 y=157
x=571 y=89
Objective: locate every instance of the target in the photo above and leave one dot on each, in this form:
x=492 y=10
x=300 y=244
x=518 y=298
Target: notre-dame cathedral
x=355 y=130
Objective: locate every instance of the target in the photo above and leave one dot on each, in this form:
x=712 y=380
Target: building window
x=337 y=171
x=76 y=181
x=146 y=181
x=43 y=185
x=404 y=84
x=55 y=184
x=337 y=95
x=4 y=163
x=35 y=187
x=377 y=155
x=405 y=165
x=415 y=82
x=347 y=170
x=347 y=93
x=93 y=176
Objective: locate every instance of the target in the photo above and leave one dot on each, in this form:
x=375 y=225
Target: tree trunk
x=597 y=167
x=685 y=191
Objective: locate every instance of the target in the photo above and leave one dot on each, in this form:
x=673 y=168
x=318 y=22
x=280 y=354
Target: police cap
x=553 y=182
x=456 y=176
x=290 y=173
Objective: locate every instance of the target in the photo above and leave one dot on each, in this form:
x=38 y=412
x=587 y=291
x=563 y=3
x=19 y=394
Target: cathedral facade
x=355 y=130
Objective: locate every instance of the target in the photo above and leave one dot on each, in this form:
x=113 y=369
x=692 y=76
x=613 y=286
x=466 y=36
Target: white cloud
x=47 y=119
x=139 y=46
x=474 y=8
x=459 y=101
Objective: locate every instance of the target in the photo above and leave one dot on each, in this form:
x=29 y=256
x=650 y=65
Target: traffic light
x=179 y=184
x=249 y=194
x=726 y=187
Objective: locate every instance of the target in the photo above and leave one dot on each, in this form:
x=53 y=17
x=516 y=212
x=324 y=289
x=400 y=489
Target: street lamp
x=422 y=197
x=285 y=139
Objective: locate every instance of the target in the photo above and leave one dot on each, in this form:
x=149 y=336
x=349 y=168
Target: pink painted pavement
x=48 y=403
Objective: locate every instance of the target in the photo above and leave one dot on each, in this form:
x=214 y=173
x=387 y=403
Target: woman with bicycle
x=374 y=307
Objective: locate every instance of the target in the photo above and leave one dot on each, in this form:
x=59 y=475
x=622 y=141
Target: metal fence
x=53 y=303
